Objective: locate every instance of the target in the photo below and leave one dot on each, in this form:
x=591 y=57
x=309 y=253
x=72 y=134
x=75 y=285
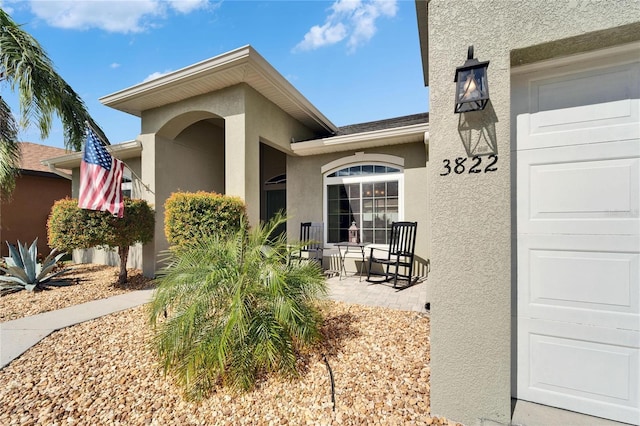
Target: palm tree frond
x=236 y=308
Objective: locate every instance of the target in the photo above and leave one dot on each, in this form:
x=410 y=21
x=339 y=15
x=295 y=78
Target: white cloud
x=115 y=65
x=319 y=36
x=118 y=16
x=352 y=19
x=155 y=75
x=188 y=6
x=6 y=8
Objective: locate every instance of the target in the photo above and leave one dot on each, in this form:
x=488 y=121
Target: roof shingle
x=388 y=123
x=33 y=153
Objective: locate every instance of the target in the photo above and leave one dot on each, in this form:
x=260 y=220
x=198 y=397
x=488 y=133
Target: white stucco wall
x=471 y=215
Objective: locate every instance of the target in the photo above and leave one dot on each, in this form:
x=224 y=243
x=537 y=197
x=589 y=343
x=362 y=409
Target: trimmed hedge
x=70 y=227
x=190 y=215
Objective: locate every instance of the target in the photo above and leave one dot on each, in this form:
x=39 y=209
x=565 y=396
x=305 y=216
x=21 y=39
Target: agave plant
x=23 y=272
x=236 y=308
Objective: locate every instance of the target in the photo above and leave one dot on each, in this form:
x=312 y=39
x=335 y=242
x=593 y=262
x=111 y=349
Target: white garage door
x=578 y=234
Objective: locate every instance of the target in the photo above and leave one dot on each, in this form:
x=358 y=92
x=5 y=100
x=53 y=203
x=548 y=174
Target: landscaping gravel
x=86 y=282
x=102 y=372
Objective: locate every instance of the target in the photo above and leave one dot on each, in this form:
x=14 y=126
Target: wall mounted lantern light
x=472 y=88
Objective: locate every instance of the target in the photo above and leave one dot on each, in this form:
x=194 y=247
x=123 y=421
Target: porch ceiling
x=243 y=65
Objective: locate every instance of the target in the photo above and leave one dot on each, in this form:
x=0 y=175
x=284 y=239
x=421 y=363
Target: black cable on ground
x=333 y=387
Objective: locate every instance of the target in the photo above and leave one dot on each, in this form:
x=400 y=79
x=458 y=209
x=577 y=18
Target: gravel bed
x=103 y=372
x=86 y=282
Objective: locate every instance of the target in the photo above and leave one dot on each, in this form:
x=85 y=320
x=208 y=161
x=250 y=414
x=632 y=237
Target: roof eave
x=246 y=56
x=422 y=13
x=393 y=136
x=123 y=151
x=120 y=99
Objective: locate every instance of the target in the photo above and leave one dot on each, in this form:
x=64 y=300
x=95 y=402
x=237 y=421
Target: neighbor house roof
x=392 y=131
x=389 y=123
x=31 y=155
x=242 y=65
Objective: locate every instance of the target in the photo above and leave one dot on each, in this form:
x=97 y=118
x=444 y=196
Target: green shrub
x=190 y=216
x=236 y=308
x=70 y=227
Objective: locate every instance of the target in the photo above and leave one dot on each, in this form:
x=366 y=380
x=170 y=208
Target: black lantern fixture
x=472 y=88
x=354 y=236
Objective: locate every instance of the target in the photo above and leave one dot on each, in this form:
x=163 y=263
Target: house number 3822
x=459 y=166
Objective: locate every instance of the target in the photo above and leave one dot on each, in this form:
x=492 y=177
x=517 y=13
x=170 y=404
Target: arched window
x=370 y=194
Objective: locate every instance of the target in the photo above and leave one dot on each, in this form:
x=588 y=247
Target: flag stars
x=96 y=153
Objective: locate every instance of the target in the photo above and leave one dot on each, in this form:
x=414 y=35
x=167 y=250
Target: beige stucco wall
x=305 y=193
x=212 y=143
x=471 y=215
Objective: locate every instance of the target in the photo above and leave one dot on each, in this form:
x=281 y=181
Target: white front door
x=578 y=234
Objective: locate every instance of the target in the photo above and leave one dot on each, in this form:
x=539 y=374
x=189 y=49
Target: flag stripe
x=100 y=179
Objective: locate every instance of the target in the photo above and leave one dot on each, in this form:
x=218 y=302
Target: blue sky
x=356 y=61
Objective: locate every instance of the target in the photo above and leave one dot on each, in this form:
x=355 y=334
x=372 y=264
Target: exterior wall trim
x=121 y=151
x=361 y=157
x=394 y=136
x=628 y=51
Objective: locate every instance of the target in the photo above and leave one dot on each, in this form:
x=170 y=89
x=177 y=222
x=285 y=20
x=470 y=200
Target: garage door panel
x=583 y=278
x=578 y=368
x=617 y=124
x=595 y=106
x=573 y=366
x=591 y=280
x=583 y=89
x=593 y=191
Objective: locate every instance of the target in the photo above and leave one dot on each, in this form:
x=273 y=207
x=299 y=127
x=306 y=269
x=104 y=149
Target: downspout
x=426 y=144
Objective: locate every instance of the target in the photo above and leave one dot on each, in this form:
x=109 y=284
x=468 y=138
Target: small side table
x=343 y=249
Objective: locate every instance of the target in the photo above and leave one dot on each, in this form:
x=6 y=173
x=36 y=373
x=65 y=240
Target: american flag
x=100 y=178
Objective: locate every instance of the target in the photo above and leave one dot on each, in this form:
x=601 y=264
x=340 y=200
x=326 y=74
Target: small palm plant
x=235 y=308
x=24 y=272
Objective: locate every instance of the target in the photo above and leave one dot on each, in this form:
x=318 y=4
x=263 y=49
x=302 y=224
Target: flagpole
x=89 y=126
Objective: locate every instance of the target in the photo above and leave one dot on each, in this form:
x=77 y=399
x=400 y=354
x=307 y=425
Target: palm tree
x=27 y=69
x=235 y=308
x=9 y=149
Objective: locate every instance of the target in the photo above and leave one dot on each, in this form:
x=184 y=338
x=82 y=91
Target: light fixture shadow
x=477 y=132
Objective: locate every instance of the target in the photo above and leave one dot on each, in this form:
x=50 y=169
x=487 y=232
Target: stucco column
x=471 y=233
x=148 y=176
x=242 y=164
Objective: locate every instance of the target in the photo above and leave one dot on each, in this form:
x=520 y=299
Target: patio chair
x=400 y=254
x=311 y=236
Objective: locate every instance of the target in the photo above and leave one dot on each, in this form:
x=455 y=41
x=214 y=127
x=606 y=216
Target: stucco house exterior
x=535 y=266
x=23 y=215
x=234 y=125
